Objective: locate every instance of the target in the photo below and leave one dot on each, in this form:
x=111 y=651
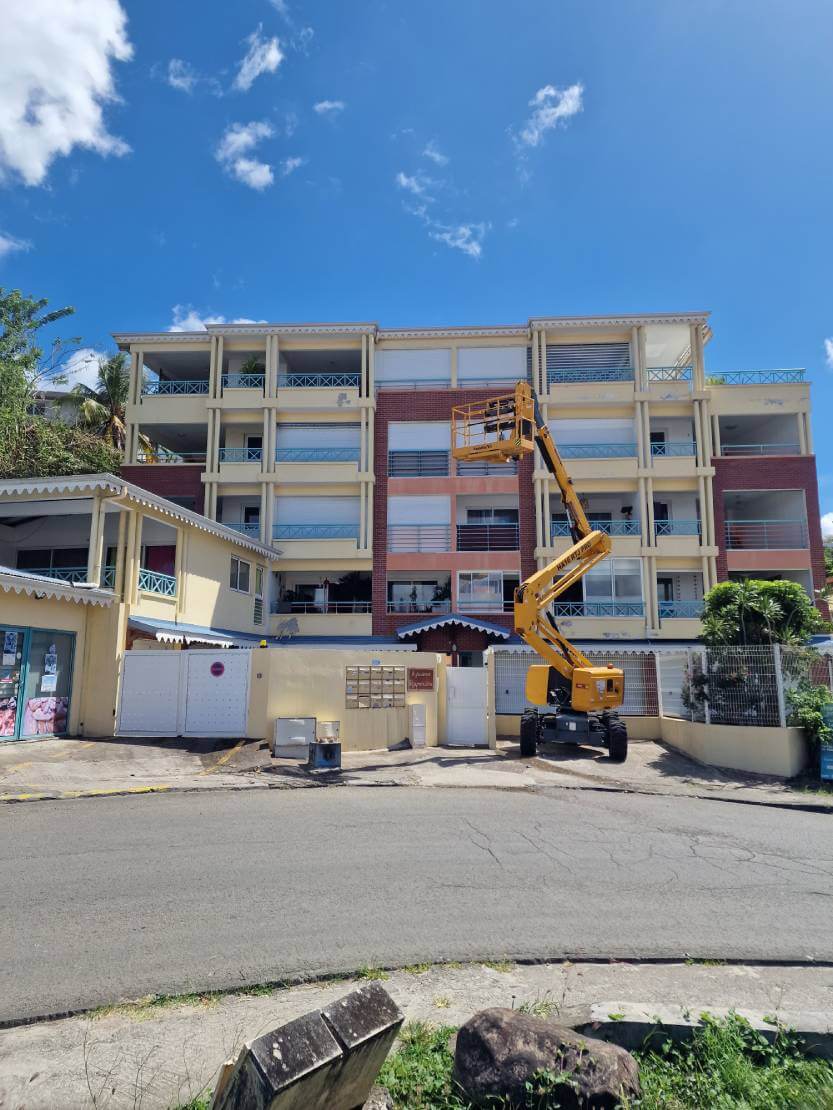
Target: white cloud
x=234 y=150
x=182 y=75
x=81 y=368
x=9 y=244
x=329 y=108
x=55 y=78
x=552 y=107
x=289 y=165
x=827 y=526
x=828 y=352
x=263 y=56
x=187 y=318
x=282 y=8
x=435 y=154
x=416 y=184
x=467 y=238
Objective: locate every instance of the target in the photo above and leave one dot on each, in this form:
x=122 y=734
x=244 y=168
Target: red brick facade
x=404 y=405
x=181 y=480
x=770 y=473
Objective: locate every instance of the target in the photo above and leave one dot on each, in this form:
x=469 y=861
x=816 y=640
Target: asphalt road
x=109 y=899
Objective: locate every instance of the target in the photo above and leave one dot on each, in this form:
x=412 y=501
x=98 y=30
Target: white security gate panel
x=217 y=694
x=149 y=693
x=466 y=723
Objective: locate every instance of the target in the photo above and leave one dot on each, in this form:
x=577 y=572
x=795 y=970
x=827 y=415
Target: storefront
x=35 y=682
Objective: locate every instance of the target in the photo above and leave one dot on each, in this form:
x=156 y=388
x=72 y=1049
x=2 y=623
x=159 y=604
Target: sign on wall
x=420 y=678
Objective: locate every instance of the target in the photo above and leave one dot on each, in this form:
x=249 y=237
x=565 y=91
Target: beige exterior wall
x=763 y=751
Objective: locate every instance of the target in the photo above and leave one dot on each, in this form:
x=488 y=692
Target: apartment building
x=331 y=442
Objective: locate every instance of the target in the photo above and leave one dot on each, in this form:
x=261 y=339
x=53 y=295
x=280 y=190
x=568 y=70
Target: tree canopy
x=759 y=612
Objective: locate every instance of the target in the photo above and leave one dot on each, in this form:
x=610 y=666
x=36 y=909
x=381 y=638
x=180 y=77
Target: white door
x=466 y=724
x=149 y=693
x=217 y=693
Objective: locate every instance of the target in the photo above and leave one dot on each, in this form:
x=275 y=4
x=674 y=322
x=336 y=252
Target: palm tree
x=102 y=409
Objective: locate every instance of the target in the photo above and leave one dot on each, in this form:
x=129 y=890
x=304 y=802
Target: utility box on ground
x=293 y=736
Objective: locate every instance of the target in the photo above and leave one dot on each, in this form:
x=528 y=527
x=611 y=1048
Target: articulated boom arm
x=509 y=427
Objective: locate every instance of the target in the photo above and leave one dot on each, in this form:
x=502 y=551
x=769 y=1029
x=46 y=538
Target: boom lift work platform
x=574 y=701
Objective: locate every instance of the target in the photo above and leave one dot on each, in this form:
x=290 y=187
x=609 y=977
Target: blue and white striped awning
x=453 y=619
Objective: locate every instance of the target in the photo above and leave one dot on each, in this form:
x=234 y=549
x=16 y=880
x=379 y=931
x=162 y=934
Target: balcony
x=414 y=383
x=152 y=582
x=317 y=454
x=73 y=575
x=756 y=377
x=166 y=457
x=240 y=454
x=176 y=388
x=328 y=607
x=479 y=469
x=319 y=380
x=246 y=527
x=496 y=605
x=668 y=374
x=598 y=609
x=674 y=449
x=417 y=607
x=315 y=532
x=676 y=528
x=419 y=537
x=580 y=374
x=487 y=537
x=672 y=610
x=728 y=450
x=243 y=381
x=560 y=528
x=598 y=450
x=418 y=464
x=766 y=534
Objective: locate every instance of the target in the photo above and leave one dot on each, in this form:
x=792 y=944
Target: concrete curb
x=637 y=1025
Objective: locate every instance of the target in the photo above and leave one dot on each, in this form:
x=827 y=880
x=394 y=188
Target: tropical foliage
x=101 y=409
x=754 y=612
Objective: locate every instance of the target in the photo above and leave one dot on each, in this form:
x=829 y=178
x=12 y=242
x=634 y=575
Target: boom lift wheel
x=529 y=734
x=617 y=740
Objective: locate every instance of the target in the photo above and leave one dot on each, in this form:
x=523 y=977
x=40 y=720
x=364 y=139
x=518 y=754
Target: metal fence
x=639 y=669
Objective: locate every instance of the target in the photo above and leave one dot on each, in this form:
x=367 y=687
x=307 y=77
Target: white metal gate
x=466 y=723
x=184 y=693
x=673 y=679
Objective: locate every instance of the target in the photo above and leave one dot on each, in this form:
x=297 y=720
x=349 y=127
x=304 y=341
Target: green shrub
x=806 y=704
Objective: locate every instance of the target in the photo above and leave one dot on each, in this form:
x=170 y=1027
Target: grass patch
x=147 y=1007
x=498 y=965
x=691 y=962
x=416 y=969
x=726 y=1066
x=371 y=972
x=542 y=1006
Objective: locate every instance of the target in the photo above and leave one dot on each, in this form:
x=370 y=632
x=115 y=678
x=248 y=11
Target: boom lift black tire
x=617 y=740
x=529 y=735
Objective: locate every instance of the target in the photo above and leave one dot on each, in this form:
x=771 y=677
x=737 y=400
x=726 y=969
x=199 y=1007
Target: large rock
x=499 y=1051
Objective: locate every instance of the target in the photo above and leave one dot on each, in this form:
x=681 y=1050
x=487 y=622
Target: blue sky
x=468 y=161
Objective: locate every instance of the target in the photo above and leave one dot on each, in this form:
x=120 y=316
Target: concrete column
x=212 y=366
x=705 y=572
x=536 y=385
x=139 y=376
x=272 y=430
x=698 y=435
x=542 y=355
x=808 y=433
x=363 y=515
x=136 y=560
x=371 y=441
x=640 y=435
x=118 y=575
x=802 y=433
x=371 y=366
x=364 y=387
x=96 y=542
x=179 y=572
x=713 y=566
x=369 y=512
x=705 y=538
x=264 y=491
x=363 y=441
x=215 y=442
x=454 y=366
x=642 y=505
x=697 y=370
x=717 y=447
x=651 y=601
x=124 y=557
x=218 y=373
x=642 y=342
x=649 y=501
x=705 y=412
x=646 y=433
x=636 y=361
x=708 y=493
x=264 y=451
x=270 y=512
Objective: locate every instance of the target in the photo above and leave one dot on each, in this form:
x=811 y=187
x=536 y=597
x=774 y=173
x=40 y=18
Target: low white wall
x=763 y=751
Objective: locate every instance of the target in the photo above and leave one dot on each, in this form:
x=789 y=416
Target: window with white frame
x=239 y=575
x=614 y=580
x=485 y=591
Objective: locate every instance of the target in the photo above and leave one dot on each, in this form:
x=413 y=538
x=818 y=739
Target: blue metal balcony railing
x=611 y=527
x=315 y=532
x=72 y=575
x=419 y=537
x=669 y=373
x=418 y=464
x=319 y=380
x=164 y=457
x=565 y=375
x=108 y=577
x=183 y=387
x=731 y=449
x=414 y=383
x=760 y=535
x=480 y=469
x=317 y=454
x=487 y=537
x=598 y=609
x=674 y=448
x=243 y=381
x=674 y=609
x=757 y=377
x=677 y=527
x=240 y=454
x=598 y=450
x=153 y=582
x=406 y=605
x=247 y=527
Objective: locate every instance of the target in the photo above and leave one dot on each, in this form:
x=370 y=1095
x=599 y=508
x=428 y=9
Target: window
x=251 y=514
x=492 y=516
x=614 y=580
x=239 y=576
x=375 y=687
x=485 y=591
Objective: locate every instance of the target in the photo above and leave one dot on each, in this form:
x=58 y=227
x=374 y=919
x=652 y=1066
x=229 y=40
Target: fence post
x=779 y=684
x=658 y=669
x=830 y=672
x=704 y=663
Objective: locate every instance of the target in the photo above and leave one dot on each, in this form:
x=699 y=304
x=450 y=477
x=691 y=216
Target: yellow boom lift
x=574 y=701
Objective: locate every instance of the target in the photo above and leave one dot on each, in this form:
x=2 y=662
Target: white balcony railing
x=731 y=449
x=419 y=537
x=766 y=534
